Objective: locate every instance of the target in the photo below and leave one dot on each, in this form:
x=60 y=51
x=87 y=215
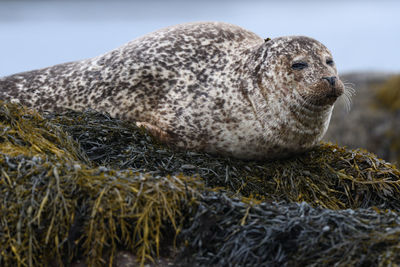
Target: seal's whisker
x=346 y=102
x=346 y=98
x=349 y=90
x=348 y=84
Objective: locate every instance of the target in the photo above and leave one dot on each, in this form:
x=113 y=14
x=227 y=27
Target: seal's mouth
x=330 y=97
x=326 y=91
x=335 y=92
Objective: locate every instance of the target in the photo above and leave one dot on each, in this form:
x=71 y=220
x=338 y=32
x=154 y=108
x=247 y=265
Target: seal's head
x=305 y=66
x=298 y=81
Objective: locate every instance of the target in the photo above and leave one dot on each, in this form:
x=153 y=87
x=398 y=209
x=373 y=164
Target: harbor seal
x=207 y=86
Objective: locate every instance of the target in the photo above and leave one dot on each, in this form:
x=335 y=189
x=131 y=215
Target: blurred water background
x=362 y=35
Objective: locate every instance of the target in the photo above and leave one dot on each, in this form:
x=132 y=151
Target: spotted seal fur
x=210 y=86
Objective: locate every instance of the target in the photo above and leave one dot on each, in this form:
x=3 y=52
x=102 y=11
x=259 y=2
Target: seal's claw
x=155 y=131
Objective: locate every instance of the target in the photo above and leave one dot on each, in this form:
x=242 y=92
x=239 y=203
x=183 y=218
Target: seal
x=206 y=86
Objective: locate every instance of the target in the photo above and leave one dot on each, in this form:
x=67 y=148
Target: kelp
x=68 y=211
x=84 y=185
x=328 y=176
x=227 y=232
x=56 y=207
x=26 y=133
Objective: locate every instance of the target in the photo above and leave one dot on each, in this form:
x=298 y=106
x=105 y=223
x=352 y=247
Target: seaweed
x=289 y=234
x=54 y=207
x=327 y=176
x=83 y=185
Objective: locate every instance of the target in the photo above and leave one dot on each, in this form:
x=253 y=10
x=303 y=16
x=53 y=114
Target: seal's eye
x=299 y=65
x=330 y=62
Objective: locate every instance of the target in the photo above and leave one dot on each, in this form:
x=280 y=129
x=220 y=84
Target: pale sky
x=362 y=35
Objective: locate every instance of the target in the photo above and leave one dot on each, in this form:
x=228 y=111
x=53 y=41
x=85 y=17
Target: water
x=362 y=35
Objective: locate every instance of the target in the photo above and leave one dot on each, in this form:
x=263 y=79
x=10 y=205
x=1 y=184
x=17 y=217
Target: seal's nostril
x=331 y=80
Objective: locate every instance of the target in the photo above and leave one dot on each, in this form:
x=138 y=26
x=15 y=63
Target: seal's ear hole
x=299 y=65
x=330 y=62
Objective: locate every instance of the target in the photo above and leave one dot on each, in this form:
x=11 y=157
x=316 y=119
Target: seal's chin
x=329 y=100
x=324 y=94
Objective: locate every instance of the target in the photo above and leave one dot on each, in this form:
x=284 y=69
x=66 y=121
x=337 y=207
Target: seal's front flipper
x=155 y=131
